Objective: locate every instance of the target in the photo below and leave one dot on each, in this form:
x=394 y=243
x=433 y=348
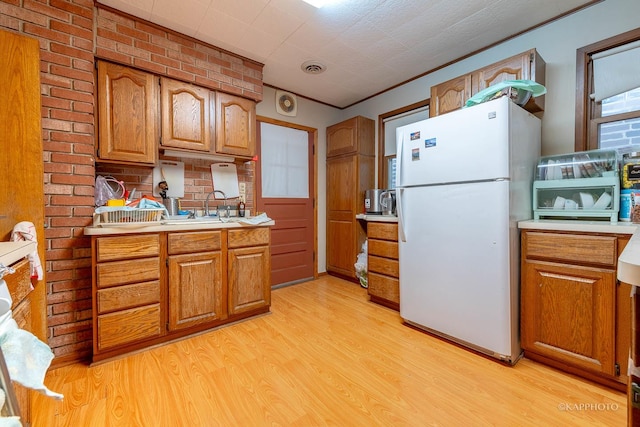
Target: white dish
x=559 y=202
x=570 y=204
x=586 y=200
x=603 y=201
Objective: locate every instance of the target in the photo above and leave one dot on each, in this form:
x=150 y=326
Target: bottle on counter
x=241 y=208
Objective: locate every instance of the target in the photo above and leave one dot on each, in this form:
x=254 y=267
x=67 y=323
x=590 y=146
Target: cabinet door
x=355 y=135
x=235 y=125
x=195 y=289
x=568 y=314
x=450 y=95
x=514 y=68
x=186 y=115
x=128 y=114
x=249 y=279
x=341 y=224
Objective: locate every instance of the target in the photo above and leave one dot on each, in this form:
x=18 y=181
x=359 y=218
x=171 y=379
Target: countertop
x=160 y=226
x=377 y=218
x=629 y=260
x=10 y=252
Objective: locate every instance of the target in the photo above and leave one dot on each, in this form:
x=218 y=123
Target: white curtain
x=616 y=70
x=285 y=159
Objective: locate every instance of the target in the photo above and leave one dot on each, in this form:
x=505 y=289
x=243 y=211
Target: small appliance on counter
x=379 y=201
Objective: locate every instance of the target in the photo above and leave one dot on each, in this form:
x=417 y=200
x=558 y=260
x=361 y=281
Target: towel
x=27 y=231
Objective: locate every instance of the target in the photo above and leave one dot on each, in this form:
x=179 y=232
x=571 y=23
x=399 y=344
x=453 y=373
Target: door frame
x=314 y=135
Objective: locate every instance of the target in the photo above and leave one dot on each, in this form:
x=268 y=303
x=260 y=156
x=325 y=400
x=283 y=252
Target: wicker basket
x=120 y=216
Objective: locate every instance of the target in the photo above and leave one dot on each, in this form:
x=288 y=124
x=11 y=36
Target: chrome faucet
x=206 y=203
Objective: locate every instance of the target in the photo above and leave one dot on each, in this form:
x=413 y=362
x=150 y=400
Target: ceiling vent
x=286 y=103
x=313 y=67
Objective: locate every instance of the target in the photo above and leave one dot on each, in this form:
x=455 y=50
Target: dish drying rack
x=117 y=216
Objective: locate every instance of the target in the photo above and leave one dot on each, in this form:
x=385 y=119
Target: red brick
x=87 y=128
x=62 y=104
x=70 y=7
x=194 y=70
x=84 y=107
x=231 y=89
x=71 y=116
x=206 y=82
x=83 y=22
x=72 y=30
x=58 y=211
x=230 y=73
x=85 y=170
x=151 y=48
x=9 y=22
x=70 y=94
x=39 y=13
x=149 y=66
x=132 y=32
x=112 y=35
x=71 y=137
x=46 y=56
x=154 y=31
x=59 y=147
x=83 y=86
x=45 y=33
x=57 y=81
x=181 y=75
x=133 y=51
x=165 y=61
x=71 y=159
x=82 y=44
x=71 y=73
x=219 y=61
x=114 y=56
x=193 y=53
x=56 y=124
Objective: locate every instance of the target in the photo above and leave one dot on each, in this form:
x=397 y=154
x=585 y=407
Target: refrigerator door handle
x=399 y=148
x=401 y=234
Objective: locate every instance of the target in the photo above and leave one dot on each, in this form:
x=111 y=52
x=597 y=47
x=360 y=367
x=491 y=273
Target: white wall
x=556 y=42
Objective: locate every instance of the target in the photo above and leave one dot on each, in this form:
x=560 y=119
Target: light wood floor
x=324 y=356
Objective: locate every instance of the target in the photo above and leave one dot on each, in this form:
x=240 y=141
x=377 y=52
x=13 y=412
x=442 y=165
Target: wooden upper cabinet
x=127 y=115
x=187 y=115
x=235 y=125
x=354 y=135
x=528 y=65
x=450 y=95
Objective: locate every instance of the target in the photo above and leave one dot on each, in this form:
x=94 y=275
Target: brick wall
x=71 y=33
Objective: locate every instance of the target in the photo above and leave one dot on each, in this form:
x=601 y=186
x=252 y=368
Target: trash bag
x=361 y=266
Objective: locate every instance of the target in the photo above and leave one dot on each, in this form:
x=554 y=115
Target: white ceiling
x=367 y=46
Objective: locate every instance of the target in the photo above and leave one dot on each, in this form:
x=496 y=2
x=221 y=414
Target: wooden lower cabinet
x=382 y=264
x=249 y=270
x=574 y=314
x=127 y=291
x=196 y=269
x=151 y=288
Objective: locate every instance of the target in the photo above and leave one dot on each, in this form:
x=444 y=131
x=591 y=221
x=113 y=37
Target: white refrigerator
x=463 y=181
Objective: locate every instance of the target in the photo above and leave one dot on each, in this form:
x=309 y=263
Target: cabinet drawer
x=382 y=231
x=384 y=287
x=22 y=315
x=580 y=248
x=128 y=296
x=383 y=248
x=123 y=272
x=251 y=237
x=385 y=266
x=19 y=283
x=199 y=241
x=127 y=247
x=128 y=326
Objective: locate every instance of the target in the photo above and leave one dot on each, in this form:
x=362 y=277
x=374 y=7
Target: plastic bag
x=103 y=191
x=487 y=94
x=361 y=266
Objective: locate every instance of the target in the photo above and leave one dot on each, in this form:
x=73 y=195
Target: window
x=608 y=94
x=388 y=123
